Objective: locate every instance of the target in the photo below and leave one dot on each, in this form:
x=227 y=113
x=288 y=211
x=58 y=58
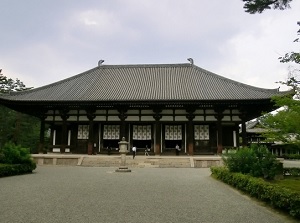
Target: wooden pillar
x=237 y=129
x=243 y=118
x=190 y=138
x=122 y=117
x=219 y=109
x=42 y=136
x=157 y=146
x=190 y=132
x=91 y=116
x=244 y=134
x=64 y=133
x=220 y=136
x=91 y=137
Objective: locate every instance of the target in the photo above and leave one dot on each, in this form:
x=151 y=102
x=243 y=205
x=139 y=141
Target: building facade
x=153 y=106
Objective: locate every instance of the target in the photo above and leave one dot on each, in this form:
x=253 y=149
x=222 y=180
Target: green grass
x=289 y=182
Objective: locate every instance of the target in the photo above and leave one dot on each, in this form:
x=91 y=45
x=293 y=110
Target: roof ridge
x=237 y=82
x=142 y=65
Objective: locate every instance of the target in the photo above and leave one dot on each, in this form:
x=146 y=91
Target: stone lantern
x=123 y=150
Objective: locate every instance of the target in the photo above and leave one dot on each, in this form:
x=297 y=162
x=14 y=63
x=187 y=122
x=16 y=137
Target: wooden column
x=244 y=134
x=64 y=133
x=122 y=117
x=237 y=129
x=190 y=132
x=219 y=109
x=91 y=116
x=220 y=136
x=42 y=135
x=157 y=146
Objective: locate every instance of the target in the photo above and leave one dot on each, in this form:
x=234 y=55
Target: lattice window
x=141 y=132
x=83 y=132
x=201 y=132
x=173 y=132
x=111 y=132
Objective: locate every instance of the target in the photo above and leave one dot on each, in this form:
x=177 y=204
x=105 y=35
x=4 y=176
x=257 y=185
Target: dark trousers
x=133 y=154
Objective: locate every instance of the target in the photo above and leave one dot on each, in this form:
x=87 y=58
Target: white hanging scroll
x=83 y=132
x=141 y=132
x=167 y=132
x=148 y=132
x=201 y=132
x=179 y=133
x=135 y=132
x=111 y=132
x=173 y=132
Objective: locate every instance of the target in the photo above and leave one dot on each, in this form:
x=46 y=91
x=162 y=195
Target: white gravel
x=94 y=194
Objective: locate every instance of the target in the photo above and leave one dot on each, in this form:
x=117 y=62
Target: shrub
x=278 y=197
x=291 y=171
x=15 y=169
x=256 y=161
x=19 y=159
x=292 y=156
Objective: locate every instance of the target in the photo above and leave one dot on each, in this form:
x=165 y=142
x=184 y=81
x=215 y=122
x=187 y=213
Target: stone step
x=138 y=162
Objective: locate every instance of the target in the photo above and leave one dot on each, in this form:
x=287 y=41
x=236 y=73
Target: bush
x=291 y=156
x=15 y=169
x=292 y=171
x=18 y=160
x=256 y=161
x=278 y=197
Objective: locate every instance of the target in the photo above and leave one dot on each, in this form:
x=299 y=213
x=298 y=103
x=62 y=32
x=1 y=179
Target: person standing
x=146 y=151
x=177 y=149
x=133 y=151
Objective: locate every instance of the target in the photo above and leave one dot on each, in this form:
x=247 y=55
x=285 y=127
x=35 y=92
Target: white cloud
x=220 y=37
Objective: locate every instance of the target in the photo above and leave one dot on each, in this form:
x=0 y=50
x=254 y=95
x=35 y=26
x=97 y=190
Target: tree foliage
x=7 y=84
x=292 y=56
x=16 y=127
x=283 y=125
x=256 y=161
x=258 y=6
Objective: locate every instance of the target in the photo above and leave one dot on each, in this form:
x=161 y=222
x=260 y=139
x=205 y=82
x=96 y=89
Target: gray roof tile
x=174 y=82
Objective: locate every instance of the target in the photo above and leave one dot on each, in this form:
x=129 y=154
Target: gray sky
x=44 y=41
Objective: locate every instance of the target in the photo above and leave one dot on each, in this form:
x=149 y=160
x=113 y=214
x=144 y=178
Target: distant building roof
x=254 y=127
x=157 y=82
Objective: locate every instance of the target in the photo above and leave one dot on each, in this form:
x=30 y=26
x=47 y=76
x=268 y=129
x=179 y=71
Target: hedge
x=291 y=171
x=291 y=156
x=16 y=169
x=278 y=197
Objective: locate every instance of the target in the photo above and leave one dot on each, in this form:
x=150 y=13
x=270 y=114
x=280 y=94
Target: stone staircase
x=138 y=162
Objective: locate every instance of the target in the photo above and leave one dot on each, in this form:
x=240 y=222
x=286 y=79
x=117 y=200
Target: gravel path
x=93 y=194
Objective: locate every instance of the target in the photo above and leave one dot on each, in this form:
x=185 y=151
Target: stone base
x=123 y=169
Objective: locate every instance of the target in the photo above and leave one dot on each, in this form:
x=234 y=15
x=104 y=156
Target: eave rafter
x=39 y=108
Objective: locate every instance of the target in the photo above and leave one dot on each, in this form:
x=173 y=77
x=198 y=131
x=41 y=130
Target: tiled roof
x=163 y=82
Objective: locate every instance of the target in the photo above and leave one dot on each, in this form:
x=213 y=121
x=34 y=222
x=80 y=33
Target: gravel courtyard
x=146 y=195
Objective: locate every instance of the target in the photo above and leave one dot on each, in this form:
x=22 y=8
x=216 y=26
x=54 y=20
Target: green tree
x=283 y=125
x=16 y=127
x=7 y=84
x=258 y=6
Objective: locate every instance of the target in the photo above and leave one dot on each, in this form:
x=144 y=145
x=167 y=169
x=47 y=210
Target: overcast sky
x=44 y=41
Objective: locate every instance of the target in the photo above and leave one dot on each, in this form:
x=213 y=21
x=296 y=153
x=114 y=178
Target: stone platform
x=139 y=161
